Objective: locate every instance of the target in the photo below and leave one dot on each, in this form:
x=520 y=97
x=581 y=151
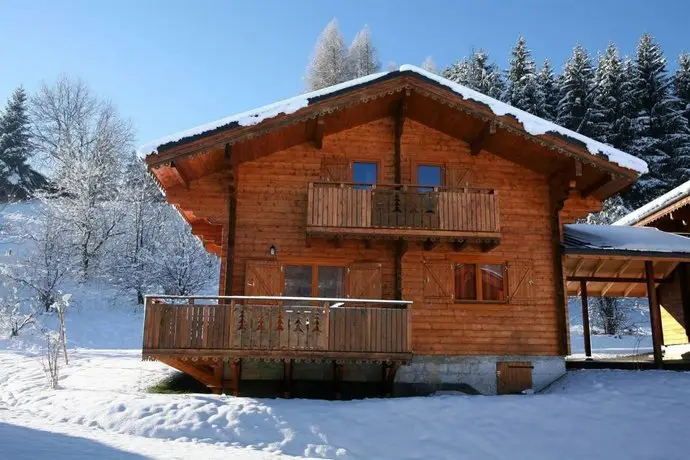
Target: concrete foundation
x=422 y=376
x=426 y=374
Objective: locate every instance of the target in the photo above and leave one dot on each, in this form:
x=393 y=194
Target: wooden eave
x=616 y=273
x=663 y=212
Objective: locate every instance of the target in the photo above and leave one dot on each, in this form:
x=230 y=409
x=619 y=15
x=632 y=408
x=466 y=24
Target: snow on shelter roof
x=667 y=199
x=585 y=238
x=531 y=123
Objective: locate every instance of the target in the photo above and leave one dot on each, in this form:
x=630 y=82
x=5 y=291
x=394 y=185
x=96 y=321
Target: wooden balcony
x=402 y=211
x=276 y=327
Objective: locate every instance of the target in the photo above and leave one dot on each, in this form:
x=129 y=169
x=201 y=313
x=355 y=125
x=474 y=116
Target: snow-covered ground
x=102 y=410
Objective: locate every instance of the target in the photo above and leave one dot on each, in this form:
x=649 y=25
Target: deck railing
x=390 y=206
x=276 y=324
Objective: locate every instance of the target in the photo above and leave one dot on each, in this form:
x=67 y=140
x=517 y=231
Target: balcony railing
x=402 y=210
x=284 y=326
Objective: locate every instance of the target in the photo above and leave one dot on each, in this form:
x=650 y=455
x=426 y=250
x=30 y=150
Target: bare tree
x=84 y=140
x=15 y=314
x=51 y=359
x=429 y=65
x=60 y=306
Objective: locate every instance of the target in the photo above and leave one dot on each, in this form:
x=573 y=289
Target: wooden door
x=513 y=377
x=521 y=286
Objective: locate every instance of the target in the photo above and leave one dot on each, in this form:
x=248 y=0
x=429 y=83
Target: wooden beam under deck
x=165 y=355
x=409 y=233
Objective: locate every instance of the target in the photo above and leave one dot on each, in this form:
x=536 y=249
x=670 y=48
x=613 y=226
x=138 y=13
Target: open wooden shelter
x=621 y=261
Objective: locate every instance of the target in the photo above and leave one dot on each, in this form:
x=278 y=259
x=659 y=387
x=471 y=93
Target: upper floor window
x=364 y=173
x=430 y=176
x=480 y=282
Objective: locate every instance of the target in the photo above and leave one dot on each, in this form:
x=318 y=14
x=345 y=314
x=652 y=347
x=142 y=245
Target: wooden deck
x=276 y=327
x=407 y=211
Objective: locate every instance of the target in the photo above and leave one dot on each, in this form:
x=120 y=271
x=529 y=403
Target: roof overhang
x=611 y=260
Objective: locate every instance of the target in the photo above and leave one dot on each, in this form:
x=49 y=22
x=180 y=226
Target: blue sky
x=173 y=64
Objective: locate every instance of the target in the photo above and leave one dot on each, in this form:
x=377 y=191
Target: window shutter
x=520 y=282
x=438 y=281
x=457 y=176
x=335 y=169
x=262 y=277
x=364 y=281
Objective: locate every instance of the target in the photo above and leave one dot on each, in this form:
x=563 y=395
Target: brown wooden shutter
x=262 y=277
x=335 y=169
x=457 y=176
x=520 y=282
x=438 y=281
x=364 y=281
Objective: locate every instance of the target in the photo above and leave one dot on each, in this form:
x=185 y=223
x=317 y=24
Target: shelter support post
x=585 y=319
x=654 y=313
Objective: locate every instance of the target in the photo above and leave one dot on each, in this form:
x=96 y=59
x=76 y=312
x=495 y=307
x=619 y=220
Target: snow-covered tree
x=612 y=209
x=661 y=135
x=177 y=260
x=548 y=87
x=576 y=109
x=478 y=73
x=84 y=140
x=362 y=57
x=50 y=261
x=429 y=65
x=144 y=214
x=681 y=82
x=522 y=89
x=613 y=100
x=18 y=180
x=328 y=65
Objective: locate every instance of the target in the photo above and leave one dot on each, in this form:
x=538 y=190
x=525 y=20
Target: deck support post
x=685 y=296
x=654 y=313
x=236 y=376
x=337 y=380
x=388 y=371
x=287 y=378
x=585 y=320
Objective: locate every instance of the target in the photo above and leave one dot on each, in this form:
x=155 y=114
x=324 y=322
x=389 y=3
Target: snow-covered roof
x=580 y=238
x=531 y=123
x=667 y=199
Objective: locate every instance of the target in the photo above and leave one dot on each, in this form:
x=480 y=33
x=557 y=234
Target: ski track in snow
x=604 y=414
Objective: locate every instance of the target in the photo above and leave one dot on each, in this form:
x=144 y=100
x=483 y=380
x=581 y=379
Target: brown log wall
x=272 y=207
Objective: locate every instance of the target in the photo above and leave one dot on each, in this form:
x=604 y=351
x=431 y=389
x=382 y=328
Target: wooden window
x=466 y=282
x=331 y=282
x=335 y=169
x=364 y=174
x=493 y=282
x=297 y=281
x=430 y=176
x=313 y=281
x=480 y=282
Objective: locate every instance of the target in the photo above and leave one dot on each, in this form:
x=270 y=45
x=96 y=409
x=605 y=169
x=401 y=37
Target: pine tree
x=548 y=86
x=612 y=100
x=17 y=178
x=523 y=89
x=328 y=64
x=362 y=57
x=429 y=65
x=661 y=131
x=681 y=82
x=576 y=110
x=478 y=73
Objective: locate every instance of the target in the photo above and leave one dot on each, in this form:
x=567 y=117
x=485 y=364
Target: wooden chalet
x=397 y=228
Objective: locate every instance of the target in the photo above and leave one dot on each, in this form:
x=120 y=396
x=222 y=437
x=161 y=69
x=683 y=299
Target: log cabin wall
x=671 y=300
x=271 y=210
